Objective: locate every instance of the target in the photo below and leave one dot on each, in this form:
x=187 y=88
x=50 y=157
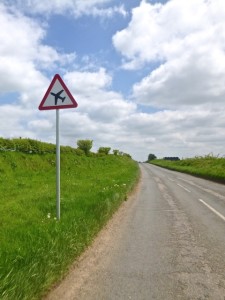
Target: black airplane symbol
x=57 y=96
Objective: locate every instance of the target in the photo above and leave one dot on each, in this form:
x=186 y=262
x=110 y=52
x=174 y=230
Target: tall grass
x=36 y=249
x=209 y=166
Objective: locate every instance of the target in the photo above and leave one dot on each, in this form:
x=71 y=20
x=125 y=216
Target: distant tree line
x=30 y=146
x=153 y=156
x=86 y=145
x=173 y=158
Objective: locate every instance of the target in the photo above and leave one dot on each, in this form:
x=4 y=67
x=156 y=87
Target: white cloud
x=181 y=133
x=186 y=40
x=23 y=40
x=23 y=56
x=40 y=124
x=89 y=82
x=107 y=12
x=160 y=32
x=192 y=80
x=12 y=119
x=138 y=42
x=97 y=100
x=77 y=8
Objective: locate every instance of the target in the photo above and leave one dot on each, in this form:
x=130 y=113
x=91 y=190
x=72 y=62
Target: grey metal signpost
x=57 y=167
x=57 y=97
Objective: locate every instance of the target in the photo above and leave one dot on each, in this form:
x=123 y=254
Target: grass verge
x=35 y=249
x=208 y=167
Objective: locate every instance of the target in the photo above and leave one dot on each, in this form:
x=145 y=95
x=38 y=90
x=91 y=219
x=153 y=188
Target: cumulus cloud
x=89 y=82
x=177 y=133
x=193 y=81
x=98 y=101
x=23 y=56
x=161 y=32
x=185 y=40
x=77 y=8
x=10 y=121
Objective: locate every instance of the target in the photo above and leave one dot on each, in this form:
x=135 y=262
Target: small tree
x=85 y=145
x=104 y=150
x=127 y=155
x=151 y=157
x=116 y=152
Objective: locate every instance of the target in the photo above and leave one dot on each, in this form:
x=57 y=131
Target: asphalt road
x=166 y=243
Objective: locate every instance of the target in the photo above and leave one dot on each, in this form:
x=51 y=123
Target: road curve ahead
x=166 y=243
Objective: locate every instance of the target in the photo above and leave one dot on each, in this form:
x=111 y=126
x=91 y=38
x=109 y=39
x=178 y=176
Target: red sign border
x=74 y=103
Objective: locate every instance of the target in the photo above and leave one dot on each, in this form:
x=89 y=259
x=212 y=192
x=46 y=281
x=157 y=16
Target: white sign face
x=57 y=96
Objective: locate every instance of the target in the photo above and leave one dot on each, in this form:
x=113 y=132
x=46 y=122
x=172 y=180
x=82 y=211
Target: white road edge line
x=203 y=189
x=184 y=188
x=213 y=210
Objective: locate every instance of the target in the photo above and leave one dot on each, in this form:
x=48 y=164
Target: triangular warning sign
x=57 y=96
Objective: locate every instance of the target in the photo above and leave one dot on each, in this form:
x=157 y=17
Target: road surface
x=167 y=242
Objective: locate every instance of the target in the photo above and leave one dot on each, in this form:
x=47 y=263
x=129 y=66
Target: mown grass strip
x=36 y=249
x=208 y=167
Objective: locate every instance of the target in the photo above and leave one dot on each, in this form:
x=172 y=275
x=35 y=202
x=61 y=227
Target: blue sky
x=148 y=76
x=92 y=37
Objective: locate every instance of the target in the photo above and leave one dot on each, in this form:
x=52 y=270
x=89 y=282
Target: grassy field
x=208 y=167
x=36 y=249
